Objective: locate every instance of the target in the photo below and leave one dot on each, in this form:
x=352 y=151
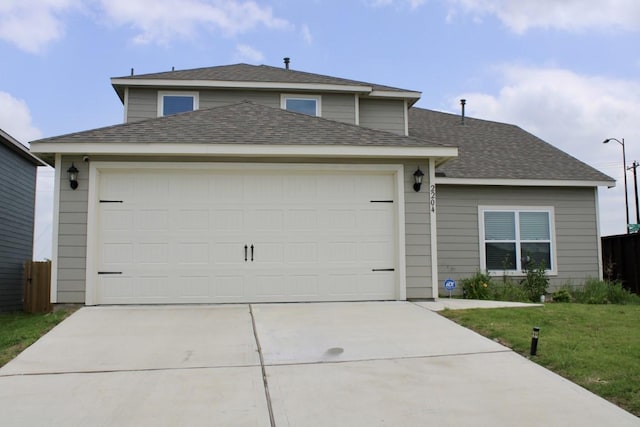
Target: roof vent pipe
x=132 y=71
x=286 y=62
x=462 y=103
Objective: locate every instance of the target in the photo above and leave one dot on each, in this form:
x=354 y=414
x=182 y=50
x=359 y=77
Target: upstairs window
x=514 y=239
x=305 y=104
x=176 y=102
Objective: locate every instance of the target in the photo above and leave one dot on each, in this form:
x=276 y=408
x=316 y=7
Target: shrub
x=536 y=282
x=604 y=292
x=509 y=290
x=562 y=295
x=478 y=286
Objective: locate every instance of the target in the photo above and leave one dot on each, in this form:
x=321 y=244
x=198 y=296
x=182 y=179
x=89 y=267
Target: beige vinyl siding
x=142 y=104
x=219 y=98
x=575 y=224
x=72 y=239
x=339 y=107
x=385 y=115
x=72 y=233
x=417 y=234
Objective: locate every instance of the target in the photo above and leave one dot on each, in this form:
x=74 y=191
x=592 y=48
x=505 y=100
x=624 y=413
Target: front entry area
x=196 y=233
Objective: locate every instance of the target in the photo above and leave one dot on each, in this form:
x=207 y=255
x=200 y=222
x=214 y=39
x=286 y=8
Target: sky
x=564 y=70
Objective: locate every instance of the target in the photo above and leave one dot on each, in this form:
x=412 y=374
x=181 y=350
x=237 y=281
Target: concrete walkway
x=321 y=364
x=464 y=304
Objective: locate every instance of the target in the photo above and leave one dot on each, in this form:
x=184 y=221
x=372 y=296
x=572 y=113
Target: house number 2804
x=432 y=197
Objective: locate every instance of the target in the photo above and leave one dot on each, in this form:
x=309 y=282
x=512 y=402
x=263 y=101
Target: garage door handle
x=245 y=253
x=109 y=272
x=251 y=253
x=383 y=269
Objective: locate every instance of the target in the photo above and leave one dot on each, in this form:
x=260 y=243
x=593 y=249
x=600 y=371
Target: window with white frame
x=176 y=102
x=512 y=239
x=305 y=104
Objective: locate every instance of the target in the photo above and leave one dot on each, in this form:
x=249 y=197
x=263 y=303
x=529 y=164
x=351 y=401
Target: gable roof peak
x=242 y=75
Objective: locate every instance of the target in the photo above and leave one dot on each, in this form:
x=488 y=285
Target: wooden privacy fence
x=37 y=286
x=621 y=260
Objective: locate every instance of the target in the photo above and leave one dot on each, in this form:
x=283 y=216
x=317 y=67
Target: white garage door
x=240 y=235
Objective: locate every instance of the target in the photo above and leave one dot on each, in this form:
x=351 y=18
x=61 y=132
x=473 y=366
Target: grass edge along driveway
x=19 y=330
x=595 y=346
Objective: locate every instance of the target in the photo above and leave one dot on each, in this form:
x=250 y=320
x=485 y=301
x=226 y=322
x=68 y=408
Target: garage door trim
x=395 y=170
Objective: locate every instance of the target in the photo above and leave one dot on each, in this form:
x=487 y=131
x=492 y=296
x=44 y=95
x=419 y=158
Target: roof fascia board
x=245 y=150
x=524 y=182
x=221 y=84
x=395 y=94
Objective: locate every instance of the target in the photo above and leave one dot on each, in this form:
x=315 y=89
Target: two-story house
x=247 y=183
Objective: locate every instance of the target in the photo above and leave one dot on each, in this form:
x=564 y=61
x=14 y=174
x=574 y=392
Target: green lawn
x=595 y=346
x=19 y=330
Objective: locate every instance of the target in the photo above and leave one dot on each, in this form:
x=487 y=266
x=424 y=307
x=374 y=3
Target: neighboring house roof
x=492 y=150
x=15 y=146
x=245 y=123
x=253 y=76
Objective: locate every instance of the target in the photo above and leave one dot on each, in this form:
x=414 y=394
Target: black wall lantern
x=73 y=176
x=417 y=179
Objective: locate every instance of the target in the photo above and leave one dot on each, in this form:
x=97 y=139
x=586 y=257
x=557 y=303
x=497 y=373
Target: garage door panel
x=152 y=219
x=301 y=253
x=195 y=286
x=269 y=285
x=230 y=286
x=303 y=286
x=260 y=219
x=193 y=219
x=193 y=253
x=302 y=219
x=226 y=188
x=113 y=219
x=152 y=187
x=228 y=254
x=179 y=236
x=226 y=220
x=266 y=252
x=117 y=254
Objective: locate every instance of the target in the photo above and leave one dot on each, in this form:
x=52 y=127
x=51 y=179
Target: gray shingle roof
x=255 y=73
x=490 y=150
x=242 y=123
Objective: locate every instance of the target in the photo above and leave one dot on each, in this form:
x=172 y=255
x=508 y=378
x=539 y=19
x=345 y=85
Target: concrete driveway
x=324 y=364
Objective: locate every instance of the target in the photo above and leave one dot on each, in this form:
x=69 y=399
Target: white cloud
x=246 y=52
x=160 y=21
x=382 y=3
x=575 y=113
x=306 y=34
x=32 y=24
x=571 y=15
x=15 y=119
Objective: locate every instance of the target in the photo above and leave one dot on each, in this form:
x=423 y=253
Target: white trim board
x=246 y=150
x=510 y=208
x=524 y=182
x=55 y=227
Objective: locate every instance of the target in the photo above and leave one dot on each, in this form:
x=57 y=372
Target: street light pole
x=634 y=166
x=624 y=170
